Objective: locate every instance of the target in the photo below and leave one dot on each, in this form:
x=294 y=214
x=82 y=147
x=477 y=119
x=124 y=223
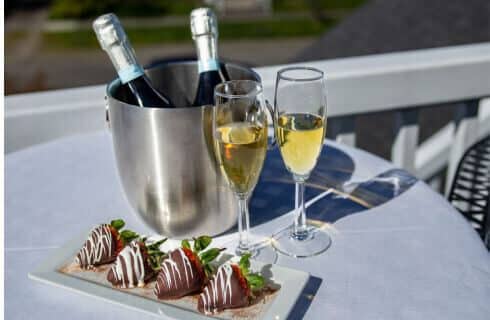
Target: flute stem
x=243 y=226
x=300 y=231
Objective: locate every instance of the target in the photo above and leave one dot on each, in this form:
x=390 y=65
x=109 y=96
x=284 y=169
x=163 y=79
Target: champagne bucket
x=165 y=156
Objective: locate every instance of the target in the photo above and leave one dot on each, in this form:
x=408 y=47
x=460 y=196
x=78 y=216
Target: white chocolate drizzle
x=131 y=258
x=97 y=246
x=170 y=271
x=210 y=294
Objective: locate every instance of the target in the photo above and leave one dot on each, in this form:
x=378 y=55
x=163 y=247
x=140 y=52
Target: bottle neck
x=124 y=60
x=207 y=53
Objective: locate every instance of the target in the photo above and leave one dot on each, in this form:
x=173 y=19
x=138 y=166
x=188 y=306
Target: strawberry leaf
x=185 y=244
x=155 y=262
x=209 y=255
x=117 y=224
x=244 y=263
x=209 y=270
x=255 y=281
x=202 y=243
x=155 y=254
x=128 y=235
x=155 y=246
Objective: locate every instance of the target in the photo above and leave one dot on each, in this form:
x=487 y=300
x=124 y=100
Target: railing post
x=343 y=130
x=486 y=226
x=406 y=139
x=465 y=134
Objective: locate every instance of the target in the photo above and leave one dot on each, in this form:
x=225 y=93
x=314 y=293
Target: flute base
x=260 y=251
x=313 y=242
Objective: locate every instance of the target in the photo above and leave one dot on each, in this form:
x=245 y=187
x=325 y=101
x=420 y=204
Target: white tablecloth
x=410 y=257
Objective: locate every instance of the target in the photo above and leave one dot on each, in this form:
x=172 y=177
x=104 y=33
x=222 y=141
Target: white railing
x=400 y=82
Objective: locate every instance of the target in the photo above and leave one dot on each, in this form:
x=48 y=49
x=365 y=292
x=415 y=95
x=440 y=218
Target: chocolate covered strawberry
x=136 y=264
x=103 y=244
x=185 y=271
x=231 y=287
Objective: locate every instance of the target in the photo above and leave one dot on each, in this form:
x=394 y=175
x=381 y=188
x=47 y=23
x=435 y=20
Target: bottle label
x=208 y=65
x=130 y=73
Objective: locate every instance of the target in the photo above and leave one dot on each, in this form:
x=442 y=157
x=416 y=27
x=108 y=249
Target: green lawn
x=88 y=9
x=146 y=36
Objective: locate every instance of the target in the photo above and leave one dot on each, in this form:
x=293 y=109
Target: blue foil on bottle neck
x=208 y=65
x=130 y=73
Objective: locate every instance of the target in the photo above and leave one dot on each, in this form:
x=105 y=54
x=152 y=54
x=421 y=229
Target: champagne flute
x=300 y=114
x=240 y=143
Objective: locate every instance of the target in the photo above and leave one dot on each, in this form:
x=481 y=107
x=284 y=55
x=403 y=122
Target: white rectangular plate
x=291 y=281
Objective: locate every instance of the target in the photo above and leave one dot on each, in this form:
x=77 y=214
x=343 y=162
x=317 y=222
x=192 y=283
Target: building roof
x=396 y=25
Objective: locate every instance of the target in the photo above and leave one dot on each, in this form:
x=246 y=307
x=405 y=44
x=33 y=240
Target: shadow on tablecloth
x=305 y=299
x=274 y=194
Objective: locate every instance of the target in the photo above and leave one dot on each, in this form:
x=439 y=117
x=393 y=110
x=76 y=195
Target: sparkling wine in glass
x=241 y=148
x=300 y=115
x=240 y=143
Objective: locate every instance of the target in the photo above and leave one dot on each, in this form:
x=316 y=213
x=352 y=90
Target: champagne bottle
x=204 y=28
x=114 y=41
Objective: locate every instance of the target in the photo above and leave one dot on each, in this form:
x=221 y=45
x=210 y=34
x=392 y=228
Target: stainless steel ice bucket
x=164 y=156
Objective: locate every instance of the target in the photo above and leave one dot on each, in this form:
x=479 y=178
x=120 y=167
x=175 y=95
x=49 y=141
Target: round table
x=399 y=250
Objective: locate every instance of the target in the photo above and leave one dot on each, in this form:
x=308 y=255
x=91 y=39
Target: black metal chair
x=470 y=191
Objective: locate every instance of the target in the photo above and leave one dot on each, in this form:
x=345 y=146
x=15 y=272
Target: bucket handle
x=107 y=120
